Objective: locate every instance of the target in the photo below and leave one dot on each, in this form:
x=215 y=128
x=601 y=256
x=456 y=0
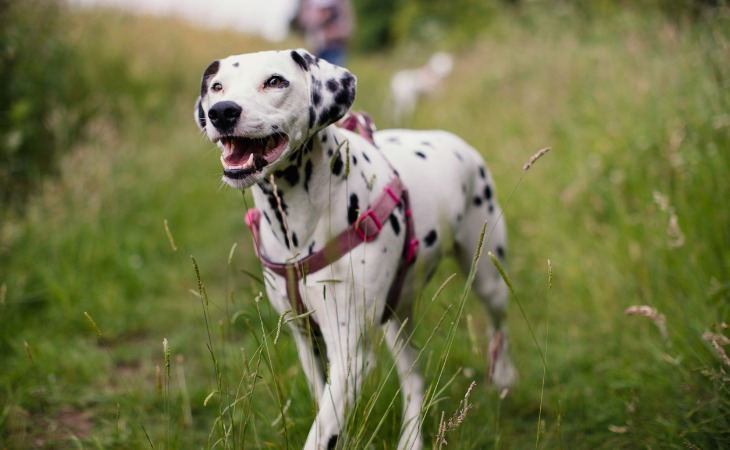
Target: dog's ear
x=332 y=89
x=199 y=112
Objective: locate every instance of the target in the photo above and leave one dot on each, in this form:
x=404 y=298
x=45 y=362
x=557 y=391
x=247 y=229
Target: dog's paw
x=502 y=372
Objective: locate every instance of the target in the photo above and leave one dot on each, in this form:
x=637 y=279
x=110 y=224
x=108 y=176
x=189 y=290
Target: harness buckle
x=367 y=230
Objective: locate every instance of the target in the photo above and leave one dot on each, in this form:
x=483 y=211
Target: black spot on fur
x=202 y=121
x=353 y=209
x=316 y=98
x=338 y=164
x=421 y=155
x=312 y=115
x=500 y=252
x=294 y=240
x=394 y=140
x=491 y=208
x=332 y=85
x=395 y=224
x=324 y=137
x=209 y=72
x=274 y=205
x=458 y=156
x=365 y=157
x=307 y=174
x=488 y=192
x=290 y=174
x=427 y=144
x=301 y=62
x=348 y=82
x=343 y=97
x=268 y=219
x=430 y=238
x=482 y=172
x=329 y=115
x=477 y=201
x=236 y=64
x=311 y=248
x=354 y=160
x=332 y=443
x=310 y=59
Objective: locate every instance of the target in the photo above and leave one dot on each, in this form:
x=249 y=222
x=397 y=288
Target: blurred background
x=619 y=236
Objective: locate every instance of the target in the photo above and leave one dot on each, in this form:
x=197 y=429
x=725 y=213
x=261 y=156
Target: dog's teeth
x=248 y=163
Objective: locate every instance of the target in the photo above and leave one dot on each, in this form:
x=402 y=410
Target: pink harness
x=365 y=229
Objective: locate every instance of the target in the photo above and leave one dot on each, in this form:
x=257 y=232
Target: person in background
x=327 y=26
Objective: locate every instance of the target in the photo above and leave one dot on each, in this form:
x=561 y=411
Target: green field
x=630 y=207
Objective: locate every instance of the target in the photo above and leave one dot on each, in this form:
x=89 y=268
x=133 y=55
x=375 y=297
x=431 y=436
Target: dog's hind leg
x=411 y=385
x=489 y=285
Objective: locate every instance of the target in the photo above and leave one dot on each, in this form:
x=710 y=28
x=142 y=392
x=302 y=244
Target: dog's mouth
x=244 y=156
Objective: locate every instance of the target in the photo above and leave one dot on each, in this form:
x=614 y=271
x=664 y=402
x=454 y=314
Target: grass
x=635 y=108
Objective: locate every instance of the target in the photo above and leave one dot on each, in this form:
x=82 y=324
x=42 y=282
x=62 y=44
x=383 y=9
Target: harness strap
x=365 y=229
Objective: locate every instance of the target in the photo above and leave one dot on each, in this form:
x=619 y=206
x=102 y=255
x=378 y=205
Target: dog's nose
x=224 y=115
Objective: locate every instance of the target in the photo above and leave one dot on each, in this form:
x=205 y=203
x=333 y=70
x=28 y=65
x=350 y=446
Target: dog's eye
x=216 y=87
x=276 y=82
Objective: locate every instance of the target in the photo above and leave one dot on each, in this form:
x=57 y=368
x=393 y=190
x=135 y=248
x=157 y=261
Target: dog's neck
x=307 y=187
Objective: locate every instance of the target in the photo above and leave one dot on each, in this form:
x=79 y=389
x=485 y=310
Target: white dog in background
x=408 y=85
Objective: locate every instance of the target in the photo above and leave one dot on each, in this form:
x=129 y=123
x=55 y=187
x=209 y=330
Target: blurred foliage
x=375 y=22
x=58 y=83
x=42 y=96
x=383 y=23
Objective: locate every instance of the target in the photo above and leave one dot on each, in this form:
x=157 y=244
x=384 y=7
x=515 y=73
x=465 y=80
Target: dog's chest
x=320 y=194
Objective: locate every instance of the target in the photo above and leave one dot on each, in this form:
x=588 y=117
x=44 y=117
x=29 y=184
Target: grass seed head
x=718 y=341
x=535 y=157
x=93 y=324
x=651 y=313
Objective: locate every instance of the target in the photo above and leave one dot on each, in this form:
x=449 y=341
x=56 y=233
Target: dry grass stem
x=651 y=313
x=674 y=233
x=535 y=157
x=280 y=208
x=718 y=341
x=166 y=350
x=158 y=379
x=472 y=334
x=169 y=237
x=28 y=353
x=455 y=420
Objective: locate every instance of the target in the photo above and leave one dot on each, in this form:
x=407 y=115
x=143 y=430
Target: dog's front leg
x=311 y=358
x=348 y=363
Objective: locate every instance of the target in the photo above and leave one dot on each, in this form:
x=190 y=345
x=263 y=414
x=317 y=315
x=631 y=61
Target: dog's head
x=260 y=107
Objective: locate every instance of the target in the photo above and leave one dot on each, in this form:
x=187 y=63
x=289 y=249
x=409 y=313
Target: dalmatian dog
x=273 y=115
